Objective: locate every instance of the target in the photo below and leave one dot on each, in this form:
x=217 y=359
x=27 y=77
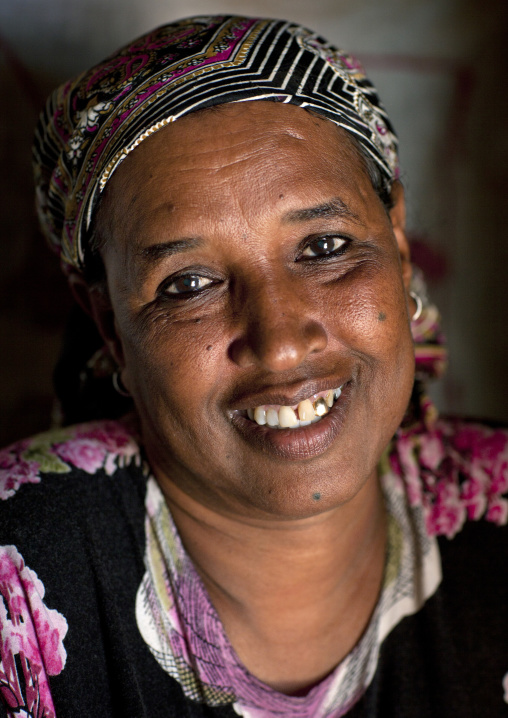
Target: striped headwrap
x=90 y=124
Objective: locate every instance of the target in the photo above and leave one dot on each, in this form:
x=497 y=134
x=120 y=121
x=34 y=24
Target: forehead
x=242 y=154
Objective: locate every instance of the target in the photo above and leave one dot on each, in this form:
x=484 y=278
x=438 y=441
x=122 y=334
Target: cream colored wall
x=440 y=66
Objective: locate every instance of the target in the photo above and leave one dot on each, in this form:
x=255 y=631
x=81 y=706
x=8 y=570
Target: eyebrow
x=334 y=208
x=156 y=252
x=167 y=249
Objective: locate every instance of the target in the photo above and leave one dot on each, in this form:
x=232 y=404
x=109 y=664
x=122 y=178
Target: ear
x=95 y=301
x=398 y=220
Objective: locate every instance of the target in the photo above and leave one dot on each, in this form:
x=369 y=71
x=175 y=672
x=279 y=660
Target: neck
x=281 y=585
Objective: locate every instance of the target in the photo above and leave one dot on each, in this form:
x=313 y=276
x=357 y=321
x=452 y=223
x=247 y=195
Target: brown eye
x=322 y=246
x=187 y=284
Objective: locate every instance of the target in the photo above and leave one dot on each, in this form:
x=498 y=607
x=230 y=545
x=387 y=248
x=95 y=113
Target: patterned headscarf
x=92 y=123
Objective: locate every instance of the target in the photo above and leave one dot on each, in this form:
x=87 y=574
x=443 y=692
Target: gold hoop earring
x=419 y=306
x=118 y=384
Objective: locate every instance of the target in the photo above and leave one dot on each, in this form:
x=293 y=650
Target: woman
x=252 y=541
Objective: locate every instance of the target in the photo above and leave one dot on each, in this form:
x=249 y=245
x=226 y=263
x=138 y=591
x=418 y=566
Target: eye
x=323 y=246
x=187 y=284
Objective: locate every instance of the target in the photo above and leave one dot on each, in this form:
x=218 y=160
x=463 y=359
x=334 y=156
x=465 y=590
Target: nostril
x=241 y=354
x=316 y=336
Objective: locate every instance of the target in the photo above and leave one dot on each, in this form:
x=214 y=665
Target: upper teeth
x=288 y=417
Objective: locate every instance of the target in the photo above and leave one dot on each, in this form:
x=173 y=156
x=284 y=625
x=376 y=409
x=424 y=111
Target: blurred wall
x=440 y=67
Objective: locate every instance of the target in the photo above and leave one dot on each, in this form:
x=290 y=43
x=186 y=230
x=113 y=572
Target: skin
x=265 y=523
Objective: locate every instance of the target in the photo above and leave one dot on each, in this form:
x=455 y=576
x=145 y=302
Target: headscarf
x=91 y=123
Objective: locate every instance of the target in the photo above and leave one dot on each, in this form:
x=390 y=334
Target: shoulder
x=60 y=481
x=72 y=536
x=90 y=448
x=71 y=500
x=449 y=658
x=457 y=471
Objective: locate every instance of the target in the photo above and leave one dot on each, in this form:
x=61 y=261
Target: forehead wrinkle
x=154 y=227
x=239 y=148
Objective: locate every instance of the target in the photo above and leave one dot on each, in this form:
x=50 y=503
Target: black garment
x=84 y=536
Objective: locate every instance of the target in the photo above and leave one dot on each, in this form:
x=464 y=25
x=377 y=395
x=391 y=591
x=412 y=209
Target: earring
x=419 y=306
x=118 y=384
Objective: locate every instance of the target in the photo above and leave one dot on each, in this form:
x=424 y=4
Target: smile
x=318 y=419
x=309 y=411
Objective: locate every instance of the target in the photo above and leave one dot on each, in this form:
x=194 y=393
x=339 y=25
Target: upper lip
x=286 y=396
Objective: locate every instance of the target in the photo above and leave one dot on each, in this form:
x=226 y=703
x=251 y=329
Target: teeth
x=260 y=415
x=307 y=412
x=287 y=417
x=272 y=417
x=320 y=407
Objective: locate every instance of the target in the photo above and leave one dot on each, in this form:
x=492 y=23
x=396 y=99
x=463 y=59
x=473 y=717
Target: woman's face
x=251 y=264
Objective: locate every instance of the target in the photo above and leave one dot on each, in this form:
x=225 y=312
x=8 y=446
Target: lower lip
x=305 y=442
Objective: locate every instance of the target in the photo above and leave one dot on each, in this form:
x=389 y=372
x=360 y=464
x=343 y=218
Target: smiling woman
x=264 y=534
x=267 y=307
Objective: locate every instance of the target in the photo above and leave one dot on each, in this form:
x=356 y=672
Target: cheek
x=173 y=363
x=370 y=319
x=369 y=313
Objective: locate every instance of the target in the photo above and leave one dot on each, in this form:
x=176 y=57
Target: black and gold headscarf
x=90 y=124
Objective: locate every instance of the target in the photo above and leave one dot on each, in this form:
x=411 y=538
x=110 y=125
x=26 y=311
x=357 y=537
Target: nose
x=278 y=333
